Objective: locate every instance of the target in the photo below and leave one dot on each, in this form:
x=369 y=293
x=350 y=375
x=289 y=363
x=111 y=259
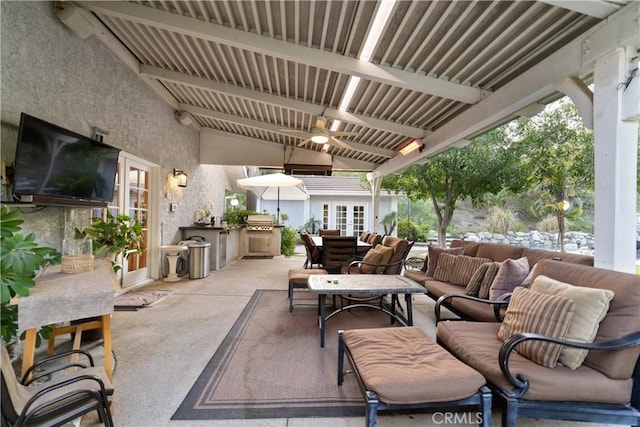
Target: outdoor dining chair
x=338 y=252
x=314 y=253
x=54 y=395
x=329 y=232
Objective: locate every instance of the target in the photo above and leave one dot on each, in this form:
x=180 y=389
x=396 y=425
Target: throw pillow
x=433 y=254
x=464 y=268
x=370 y=261
x=446 y=263
x=592 y=305
x=387 y=253
x=511 y=274
x=535 y=312
x=527 y=280
x=492 y=270
x=475 y=283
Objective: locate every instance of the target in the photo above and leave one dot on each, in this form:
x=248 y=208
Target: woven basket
x=76 y=263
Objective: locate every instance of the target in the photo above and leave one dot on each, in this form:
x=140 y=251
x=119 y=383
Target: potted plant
x=115 y=236
x=20 y=258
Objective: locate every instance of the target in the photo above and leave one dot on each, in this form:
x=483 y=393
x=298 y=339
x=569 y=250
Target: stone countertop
x=209 y=227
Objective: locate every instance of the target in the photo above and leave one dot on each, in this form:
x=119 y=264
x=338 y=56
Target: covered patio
x=161 y=350
x=347 y=85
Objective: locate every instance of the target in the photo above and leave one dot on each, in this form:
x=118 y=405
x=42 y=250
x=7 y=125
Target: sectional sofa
x=454 y=292
x=572 y=305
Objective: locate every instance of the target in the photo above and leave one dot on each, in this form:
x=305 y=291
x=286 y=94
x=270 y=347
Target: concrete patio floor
x=161 y=350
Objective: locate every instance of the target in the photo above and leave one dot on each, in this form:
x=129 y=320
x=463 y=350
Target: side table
x=59 y=297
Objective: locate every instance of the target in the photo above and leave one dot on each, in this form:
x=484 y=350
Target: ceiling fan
x=321 y=135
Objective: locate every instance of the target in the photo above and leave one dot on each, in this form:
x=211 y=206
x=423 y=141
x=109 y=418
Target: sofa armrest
x=522 y=383
x=497 y=304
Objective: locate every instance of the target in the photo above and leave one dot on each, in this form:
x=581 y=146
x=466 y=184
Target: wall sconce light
x=411 y=147
x=181 y=178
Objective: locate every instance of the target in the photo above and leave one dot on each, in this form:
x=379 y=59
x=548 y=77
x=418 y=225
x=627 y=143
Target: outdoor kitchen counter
x=225 y=242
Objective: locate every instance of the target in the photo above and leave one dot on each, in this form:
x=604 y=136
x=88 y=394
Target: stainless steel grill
x=259 y=223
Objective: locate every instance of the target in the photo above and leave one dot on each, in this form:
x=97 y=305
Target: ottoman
x=402 y=368
x=298 y=279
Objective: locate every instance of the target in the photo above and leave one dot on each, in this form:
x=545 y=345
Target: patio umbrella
x=276 y=186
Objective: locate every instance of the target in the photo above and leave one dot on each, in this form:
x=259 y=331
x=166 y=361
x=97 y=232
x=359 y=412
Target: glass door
x=350 y=219
x=135 y=269
x=132 y=197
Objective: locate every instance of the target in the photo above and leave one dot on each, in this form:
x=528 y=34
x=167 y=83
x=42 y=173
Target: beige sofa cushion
x=477 y=345
x=622 y=319
x=538 y=313
x=511 y=274
x=591 y=307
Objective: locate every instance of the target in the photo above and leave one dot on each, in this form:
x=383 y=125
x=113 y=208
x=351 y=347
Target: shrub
x=408 y=229
x=501 y=220
x=288 y=241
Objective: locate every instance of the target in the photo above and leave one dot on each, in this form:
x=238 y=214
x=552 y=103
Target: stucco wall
x=49 y=72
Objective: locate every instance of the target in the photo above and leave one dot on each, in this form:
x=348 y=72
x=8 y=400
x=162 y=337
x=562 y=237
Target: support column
x=376 y=183
x=616 y=145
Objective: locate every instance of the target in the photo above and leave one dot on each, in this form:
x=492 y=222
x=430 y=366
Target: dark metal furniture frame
x=517 y=406
x=445 y=300
x=481 y=400
x=64 y=407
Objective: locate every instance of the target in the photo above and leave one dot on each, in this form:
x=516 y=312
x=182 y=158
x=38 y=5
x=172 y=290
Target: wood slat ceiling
x=252 y=68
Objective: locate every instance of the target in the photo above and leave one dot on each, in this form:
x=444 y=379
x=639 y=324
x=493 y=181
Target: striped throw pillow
x=464 y=268
x=539 y=313
x=487 y=280
x=480 y=276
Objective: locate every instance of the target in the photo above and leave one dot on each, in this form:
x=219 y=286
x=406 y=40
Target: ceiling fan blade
x=344 y=133
x=304 y=142
x=293 y=131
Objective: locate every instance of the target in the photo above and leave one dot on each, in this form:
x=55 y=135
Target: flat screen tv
x=54 y=162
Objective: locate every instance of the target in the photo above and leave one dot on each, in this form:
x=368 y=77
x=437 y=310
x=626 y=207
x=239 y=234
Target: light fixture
x=181 y=178
x=411 y=147
x=319 y=138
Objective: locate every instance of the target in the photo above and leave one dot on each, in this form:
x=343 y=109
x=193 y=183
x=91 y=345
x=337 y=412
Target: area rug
x=135 y=300
x=257 y=257
x=271 y=365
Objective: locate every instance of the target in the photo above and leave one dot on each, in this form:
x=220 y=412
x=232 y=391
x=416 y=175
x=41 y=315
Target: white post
x=375 y=201
x=616 y=145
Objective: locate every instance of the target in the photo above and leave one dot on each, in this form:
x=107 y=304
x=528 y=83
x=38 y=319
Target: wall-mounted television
x=58 y=166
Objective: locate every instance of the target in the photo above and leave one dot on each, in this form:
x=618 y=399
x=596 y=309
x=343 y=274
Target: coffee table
x=362 y=284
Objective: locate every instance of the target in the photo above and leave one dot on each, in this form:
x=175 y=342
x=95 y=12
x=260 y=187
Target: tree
x=558 y=155
x=486 y=165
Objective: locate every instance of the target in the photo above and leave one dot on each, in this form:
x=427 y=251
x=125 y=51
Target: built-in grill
x=260 y=237
x=259 y=223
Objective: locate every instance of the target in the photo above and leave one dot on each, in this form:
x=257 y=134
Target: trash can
x=199 y=259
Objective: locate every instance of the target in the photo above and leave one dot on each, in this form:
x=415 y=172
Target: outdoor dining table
x=362 y=284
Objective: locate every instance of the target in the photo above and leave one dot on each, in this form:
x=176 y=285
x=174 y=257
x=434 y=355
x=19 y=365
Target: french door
x=349 y=218
x=133 y=197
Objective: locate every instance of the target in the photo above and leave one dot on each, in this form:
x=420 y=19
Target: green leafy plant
x=312 y=225
x=237 y=216
x=115 y=235
x=288 y=241
x=389 y=222
x=20 y=258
